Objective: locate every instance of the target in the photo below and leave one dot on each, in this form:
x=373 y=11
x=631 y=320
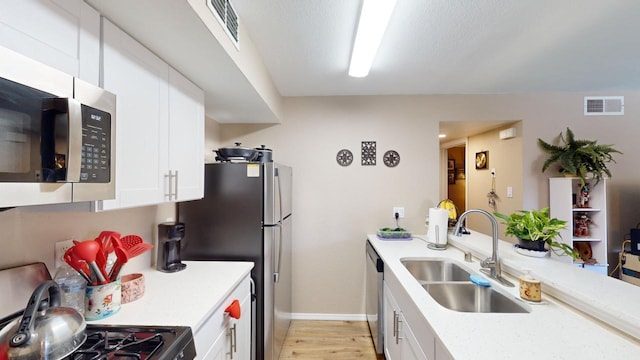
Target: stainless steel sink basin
x=430 y=270
x=468 y=297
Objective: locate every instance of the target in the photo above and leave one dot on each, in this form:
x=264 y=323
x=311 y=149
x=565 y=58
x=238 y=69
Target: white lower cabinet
x=441 y=352
x=399 y=341
x=222 y=337
x=407 y=334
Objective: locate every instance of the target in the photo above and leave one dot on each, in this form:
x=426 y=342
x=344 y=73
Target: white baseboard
x=343 y=317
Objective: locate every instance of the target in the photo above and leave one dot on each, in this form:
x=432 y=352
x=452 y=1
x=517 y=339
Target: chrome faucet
x=490 y=266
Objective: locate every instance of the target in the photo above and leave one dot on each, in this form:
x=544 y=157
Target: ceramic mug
x=530 y=289
x=102 y=301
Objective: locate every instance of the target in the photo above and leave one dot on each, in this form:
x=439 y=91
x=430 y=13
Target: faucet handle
x=488 y=263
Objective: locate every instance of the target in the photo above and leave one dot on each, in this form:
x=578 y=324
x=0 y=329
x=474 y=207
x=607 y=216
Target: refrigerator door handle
x=280 y=219
x=278 y=253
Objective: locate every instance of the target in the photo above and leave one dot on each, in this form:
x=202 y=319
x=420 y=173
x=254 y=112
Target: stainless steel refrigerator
x=246 y=215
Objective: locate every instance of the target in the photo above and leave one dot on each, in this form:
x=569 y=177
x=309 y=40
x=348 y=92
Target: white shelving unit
x=564 y=194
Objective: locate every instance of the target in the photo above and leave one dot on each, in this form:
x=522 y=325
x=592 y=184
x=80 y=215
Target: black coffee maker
x=169 y=237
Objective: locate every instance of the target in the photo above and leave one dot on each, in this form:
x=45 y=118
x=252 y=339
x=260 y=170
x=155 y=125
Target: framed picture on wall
x=451 y=164
x=482 y=160
x=452 y=178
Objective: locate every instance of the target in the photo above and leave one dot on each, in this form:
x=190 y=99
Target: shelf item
x=586 y=226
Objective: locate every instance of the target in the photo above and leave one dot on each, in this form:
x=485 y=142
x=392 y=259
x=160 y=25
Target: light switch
x=509 y=191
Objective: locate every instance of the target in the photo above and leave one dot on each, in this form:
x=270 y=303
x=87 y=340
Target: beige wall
x=30 y=233
x=335 y=207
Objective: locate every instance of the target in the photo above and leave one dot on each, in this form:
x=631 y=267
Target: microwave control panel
x=96 y=146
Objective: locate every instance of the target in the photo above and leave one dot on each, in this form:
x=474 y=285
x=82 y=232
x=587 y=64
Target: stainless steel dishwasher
x=374 y=306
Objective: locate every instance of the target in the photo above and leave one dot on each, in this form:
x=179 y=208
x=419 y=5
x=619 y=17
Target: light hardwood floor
x=335 y=340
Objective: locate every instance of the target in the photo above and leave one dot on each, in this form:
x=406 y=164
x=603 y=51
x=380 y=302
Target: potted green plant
x=581 y=158
x=535 y=228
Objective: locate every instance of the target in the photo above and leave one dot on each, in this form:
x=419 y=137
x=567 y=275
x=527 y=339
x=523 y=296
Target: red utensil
x=78 y=265
x=139 y=249
x=130 y=241
x=101 y=258
x=122 y=257
x=87 y=251
x=105 y=239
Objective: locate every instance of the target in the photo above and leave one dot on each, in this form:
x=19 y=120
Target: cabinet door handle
x=395 y=323
x=169 y=177
x=233 y=344
x=398 y=331
x=172 y=180
x=175 y=186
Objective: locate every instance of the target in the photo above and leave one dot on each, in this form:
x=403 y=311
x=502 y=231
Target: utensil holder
x=102 y=301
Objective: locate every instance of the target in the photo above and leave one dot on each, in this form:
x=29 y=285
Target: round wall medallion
x=344 y=157
x=391 y=158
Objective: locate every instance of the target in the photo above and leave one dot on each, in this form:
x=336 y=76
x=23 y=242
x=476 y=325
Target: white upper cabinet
x=160 y=129
x=64 y=34
x=186 y=138
x=140 y=81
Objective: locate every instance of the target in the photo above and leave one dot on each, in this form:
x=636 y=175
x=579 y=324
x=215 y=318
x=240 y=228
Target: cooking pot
x=45 y=331
x=264 y=154
x=237 y=152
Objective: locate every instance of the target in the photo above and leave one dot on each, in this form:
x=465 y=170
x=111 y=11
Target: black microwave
x=56 y=135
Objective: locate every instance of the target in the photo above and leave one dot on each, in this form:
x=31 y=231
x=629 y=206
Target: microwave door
x=59 y=144
x=74 y=139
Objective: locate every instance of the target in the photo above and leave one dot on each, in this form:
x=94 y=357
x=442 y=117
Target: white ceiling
x=431 y=47
x=450 y=46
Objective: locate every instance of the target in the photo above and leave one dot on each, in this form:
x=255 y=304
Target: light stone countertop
x=552 y=330
x=184 y=298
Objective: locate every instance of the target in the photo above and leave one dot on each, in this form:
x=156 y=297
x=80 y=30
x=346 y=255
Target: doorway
x=456 y=177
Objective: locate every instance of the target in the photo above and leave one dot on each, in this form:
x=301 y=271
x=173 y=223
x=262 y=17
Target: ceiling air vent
x=226 y=15
x=604 y=105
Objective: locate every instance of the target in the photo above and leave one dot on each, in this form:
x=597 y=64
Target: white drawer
x=216 y=323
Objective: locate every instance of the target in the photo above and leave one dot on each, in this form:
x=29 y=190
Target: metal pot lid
x=238 y=146
x=45 y=331
x=237 y=152
x=263 y=148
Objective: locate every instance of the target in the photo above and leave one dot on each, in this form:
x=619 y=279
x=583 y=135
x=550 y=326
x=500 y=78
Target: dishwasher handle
x=375 y=258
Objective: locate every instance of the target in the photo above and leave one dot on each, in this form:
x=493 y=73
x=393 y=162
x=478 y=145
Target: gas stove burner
x=136 y=342
x=121 y=345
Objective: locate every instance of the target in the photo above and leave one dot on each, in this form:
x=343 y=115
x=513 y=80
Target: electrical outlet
x=399 y=211
x=60 y=248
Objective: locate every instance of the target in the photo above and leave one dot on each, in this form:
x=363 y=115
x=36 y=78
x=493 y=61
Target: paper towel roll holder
x=437 y=245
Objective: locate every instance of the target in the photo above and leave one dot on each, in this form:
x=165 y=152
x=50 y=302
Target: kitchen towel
x=438 y=226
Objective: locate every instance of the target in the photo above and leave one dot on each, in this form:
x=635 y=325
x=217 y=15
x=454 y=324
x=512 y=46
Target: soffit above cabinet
x=175 y=32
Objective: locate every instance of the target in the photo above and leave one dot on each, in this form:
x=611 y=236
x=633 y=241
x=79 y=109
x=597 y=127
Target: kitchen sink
x=430 y=270
x=469 y=297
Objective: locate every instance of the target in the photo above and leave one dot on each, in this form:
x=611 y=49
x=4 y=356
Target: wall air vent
x=604 y=105
x=227 y=17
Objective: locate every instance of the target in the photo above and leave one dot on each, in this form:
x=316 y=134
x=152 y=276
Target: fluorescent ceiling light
x=373 y=23
x=442 y=136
